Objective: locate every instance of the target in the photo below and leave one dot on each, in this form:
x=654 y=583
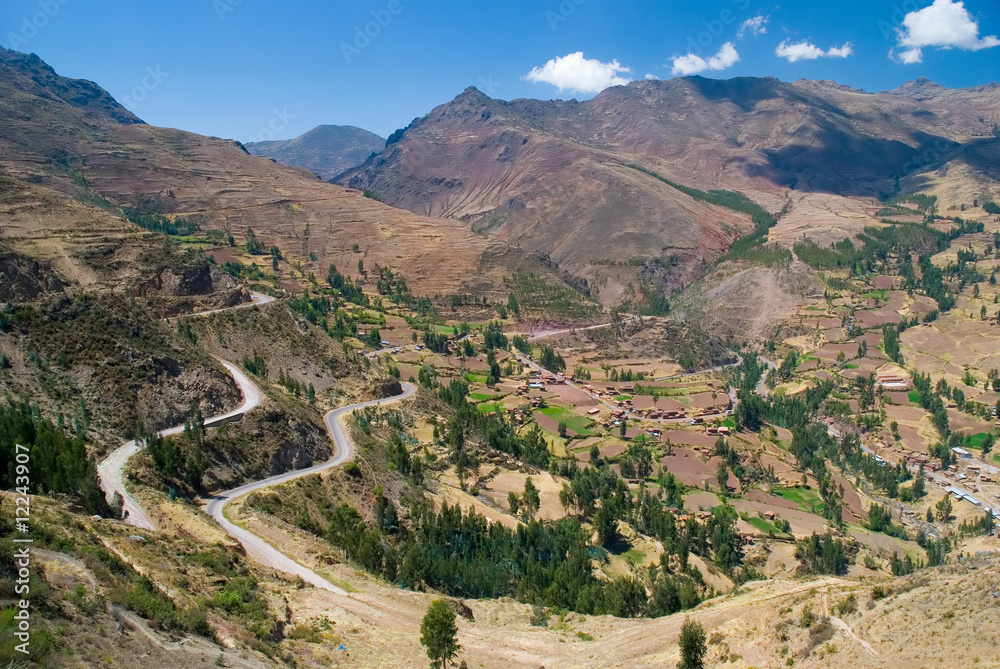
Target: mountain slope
x=38 y=82
x=72 y=137
x=547 y=175
x=327 y=150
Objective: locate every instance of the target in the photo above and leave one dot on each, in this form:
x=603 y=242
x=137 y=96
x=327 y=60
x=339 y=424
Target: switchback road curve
x=264 y=552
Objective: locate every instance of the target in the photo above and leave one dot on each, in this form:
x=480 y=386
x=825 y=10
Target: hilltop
x=327 y=150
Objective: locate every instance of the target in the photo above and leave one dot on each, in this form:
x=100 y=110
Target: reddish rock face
x=550 y=176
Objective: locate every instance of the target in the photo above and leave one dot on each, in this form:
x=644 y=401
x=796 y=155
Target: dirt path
x=541 y=334
x=68 y=560
x=257 y=547
x=844 y=627
x=111 y=469
x=258 y=299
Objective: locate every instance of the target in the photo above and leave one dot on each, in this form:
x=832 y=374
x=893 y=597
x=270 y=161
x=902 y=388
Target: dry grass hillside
x=84 y=339
x=87 y=146
x=746 y=302
x=803 y=622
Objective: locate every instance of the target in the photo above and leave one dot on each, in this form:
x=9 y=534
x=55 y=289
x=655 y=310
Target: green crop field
x=976 y=440
x=574 y=421
x=806 y=498
x=764 y=526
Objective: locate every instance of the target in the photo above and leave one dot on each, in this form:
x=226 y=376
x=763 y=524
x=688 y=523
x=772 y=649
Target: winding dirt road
x=111 y=473
x=259 y=549
x=257 y=299
x=110 y=470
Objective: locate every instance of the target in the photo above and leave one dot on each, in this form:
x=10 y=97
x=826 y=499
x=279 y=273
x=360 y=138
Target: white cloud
x=757 y=25
x=652 y=77
x=946 y=24
x=805 y=50
x=909 y=57
x=575 y=73
x=840 y=52
x=692 y=64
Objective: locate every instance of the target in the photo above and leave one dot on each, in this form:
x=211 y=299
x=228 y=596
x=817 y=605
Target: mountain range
x=552 y=175
x=70 y=137
x=596 y=193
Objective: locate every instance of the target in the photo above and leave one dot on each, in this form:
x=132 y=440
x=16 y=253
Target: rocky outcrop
x=265 y=442
x=23 y=279
x=386 y=388
x=174 y=391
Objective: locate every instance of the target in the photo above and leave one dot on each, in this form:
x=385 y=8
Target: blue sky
x=251 y=69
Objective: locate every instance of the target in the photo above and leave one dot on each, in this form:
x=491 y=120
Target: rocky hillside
x=71 y=137
x=327 y=150
x=549 y=175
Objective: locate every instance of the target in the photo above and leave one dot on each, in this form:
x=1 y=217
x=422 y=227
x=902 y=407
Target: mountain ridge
x=543 y=174
x=72 y=137
x=80 y=93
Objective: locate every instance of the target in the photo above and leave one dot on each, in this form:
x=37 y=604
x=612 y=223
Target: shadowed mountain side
x=536 y=173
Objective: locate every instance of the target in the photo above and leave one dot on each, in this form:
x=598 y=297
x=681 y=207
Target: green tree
x=513 y=306
x=514 y=502
x=944 y=509
x=693 y=645
x=563 y=429
x=722 y=476
x=427 y=376
x=641 y=456
x=919 y=487
x=530 y=501
x=439 y=634
x=551 y=360
x=988 y=443
x=255 y=247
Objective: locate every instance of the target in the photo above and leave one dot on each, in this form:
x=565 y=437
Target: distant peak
x=473 y=93
x=922 y=82
x=920 y=88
